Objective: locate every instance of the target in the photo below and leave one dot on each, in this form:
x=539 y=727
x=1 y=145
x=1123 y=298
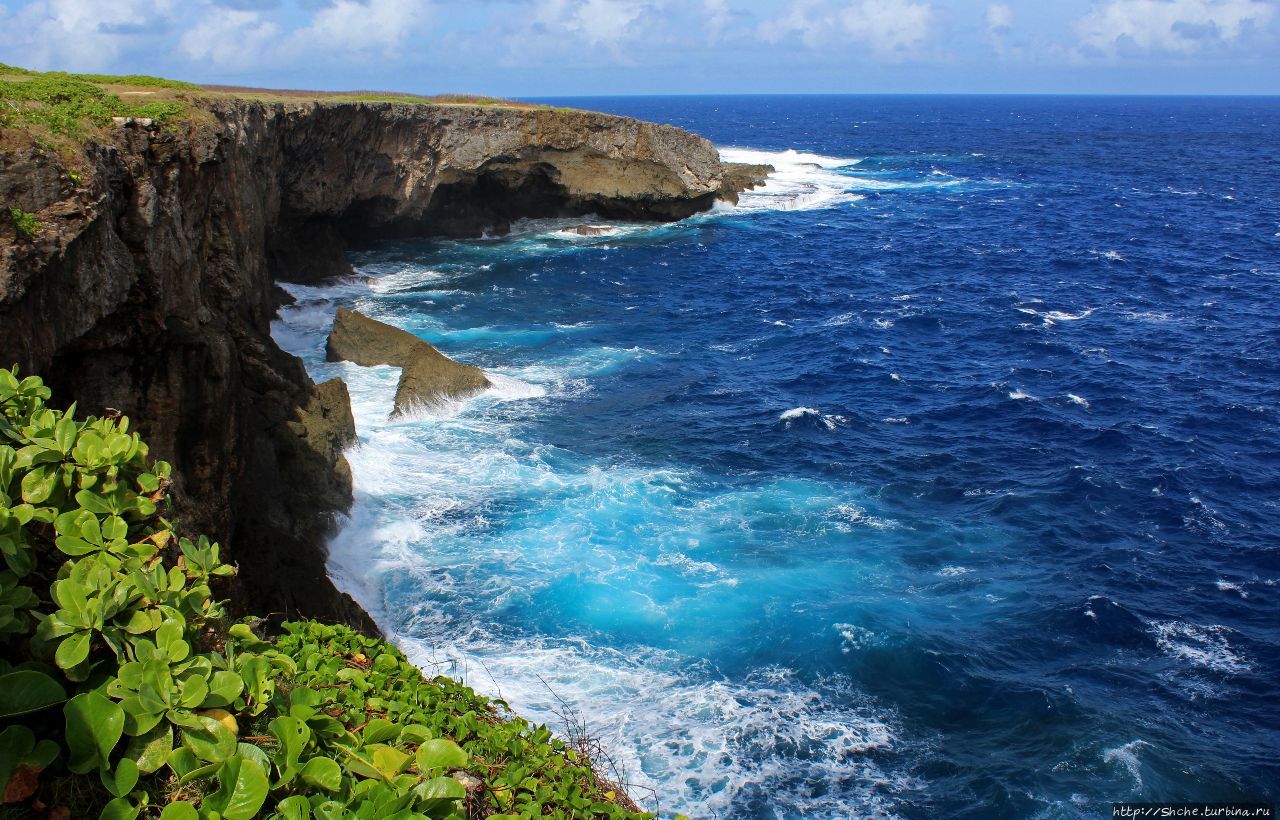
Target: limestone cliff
x=149 y=287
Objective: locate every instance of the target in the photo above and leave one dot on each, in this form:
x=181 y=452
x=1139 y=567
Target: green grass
x=73 y=105
x=61 y=107
x=27 y=224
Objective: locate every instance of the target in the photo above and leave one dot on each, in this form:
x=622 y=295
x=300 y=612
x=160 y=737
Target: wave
x=1207 y=647
x=800 y=182
x=799 y=414
x=687 y=744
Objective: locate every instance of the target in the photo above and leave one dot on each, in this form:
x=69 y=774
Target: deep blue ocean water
x=941 y=478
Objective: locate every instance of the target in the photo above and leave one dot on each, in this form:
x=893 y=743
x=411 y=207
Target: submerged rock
x=591 y=230
x=427 y=376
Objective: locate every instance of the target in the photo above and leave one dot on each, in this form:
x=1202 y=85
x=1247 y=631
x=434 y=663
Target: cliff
x=147 y=283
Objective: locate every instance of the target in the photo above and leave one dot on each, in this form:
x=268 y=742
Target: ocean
x=938 y=478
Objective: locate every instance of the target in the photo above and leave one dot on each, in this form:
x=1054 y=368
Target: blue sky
x=586 y=47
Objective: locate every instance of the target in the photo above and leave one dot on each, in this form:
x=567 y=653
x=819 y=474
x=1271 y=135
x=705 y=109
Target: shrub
x=126 y=690
x=27 y=224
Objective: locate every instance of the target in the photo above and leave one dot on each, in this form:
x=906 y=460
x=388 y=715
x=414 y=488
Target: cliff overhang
x=148 y=285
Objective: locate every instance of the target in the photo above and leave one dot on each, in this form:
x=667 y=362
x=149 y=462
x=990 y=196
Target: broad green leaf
x=38 y=484
x=292 y=808
x=120 y=780
x=379 y=730
x=212 y=741
x=73 y=650
x=151 y=749
x=122 y=808
x=94 y=726
x=64 y=434
x=27 y=691
x=440 y=754
x=293 y=735
x=181 y=810
x=224 y=688
x=388 y=759
x=94 y=503
x=441 y=788
x=242 y=789
x=322 y=773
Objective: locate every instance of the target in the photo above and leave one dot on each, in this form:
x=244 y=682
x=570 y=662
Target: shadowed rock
x=427 y=376
x=740 y=176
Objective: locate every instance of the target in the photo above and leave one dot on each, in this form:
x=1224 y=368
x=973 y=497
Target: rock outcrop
x=150 y=284
x=427 y=376
x=738 y=177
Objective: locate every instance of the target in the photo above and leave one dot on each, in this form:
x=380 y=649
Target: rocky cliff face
x=149 y=288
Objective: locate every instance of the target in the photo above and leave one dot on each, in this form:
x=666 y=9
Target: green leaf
x=122 y=808
x=16 y=742
x=64 y=434
x=122 y=779
x=94 y=503
x=74 y=546
x=323 y=773
x=94 y=726
x=242 y=789
x=38 y=484
x=292 y=808
x=181 y=810
x=28 y=691
x=293 y=735
x=212 y=741
x=441 y=788
x=73 y=650
x=389 y=760
x=379 y=730
x=440 y=754
x=151 y=749
x=224 y=687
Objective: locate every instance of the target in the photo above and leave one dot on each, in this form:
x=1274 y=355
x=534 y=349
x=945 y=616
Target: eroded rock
x=427 y=376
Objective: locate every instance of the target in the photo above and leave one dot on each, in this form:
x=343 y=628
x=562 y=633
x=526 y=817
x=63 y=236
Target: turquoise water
x=938 y=478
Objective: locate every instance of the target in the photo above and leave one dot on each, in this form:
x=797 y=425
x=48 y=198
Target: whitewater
x=872 y=495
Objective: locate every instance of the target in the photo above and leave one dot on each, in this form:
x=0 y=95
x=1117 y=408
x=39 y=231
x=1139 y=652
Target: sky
x=530 y=48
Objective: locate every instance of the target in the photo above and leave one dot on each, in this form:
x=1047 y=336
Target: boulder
x=427 y=376
x=737 y=177
x=591 y=230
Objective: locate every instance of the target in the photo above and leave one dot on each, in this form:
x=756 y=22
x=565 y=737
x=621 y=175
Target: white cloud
x=592 y=22
x=1177 y=26
x=999 y=27
x=583 y=30
x=231 y=38
x=889 y=26
x=892 y=29
x=345 y=30
x=718 y=17
x=999 y=18
x=361 y=27
x=80 y=34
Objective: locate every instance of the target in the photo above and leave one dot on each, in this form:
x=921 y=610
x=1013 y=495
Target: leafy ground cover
x=126 y=691
x=73 y=105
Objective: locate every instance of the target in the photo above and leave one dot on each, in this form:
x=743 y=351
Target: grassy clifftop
x=126 y=691
x=63 y=106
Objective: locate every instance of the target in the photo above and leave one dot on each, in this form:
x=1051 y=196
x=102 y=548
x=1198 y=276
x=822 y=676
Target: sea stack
x=427 y=375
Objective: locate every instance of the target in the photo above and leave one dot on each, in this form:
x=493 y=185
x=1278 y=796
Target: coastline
x=244 y=195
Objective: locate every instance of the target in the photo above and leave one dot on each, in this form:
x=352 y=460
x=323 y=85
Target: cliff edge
x=138 y=270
